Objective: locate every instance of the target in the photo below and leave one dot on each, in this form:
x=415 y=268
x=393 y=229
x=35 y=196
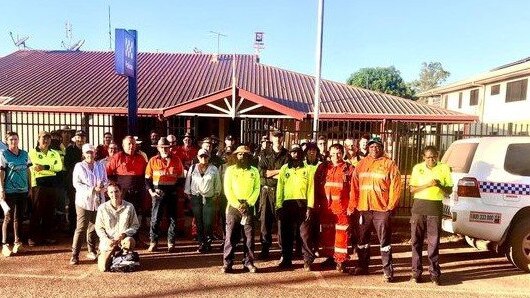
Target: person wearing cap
x=127 y=168
x=116 y=224
x=89 y=179
x=375 y=193
x=332 y=188
x=72 y=156
x=294 y=205
x=229 y=146
x=311 y=154
x=208 y=144
x=271 y=160
x=161 y=176
x=187 y=152
x=430 y=182
x=203 y=185
x=241 y=187
x=102 y=150
x=46 y=163
x=14 y=189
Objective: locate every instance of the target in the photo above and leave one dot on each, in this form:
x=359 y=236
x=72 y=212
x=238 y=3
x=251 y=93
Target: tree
x=383 y=79
x=432 y=75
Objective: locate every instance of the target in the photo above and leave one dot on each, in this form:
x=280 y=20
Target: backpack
x=125 y=262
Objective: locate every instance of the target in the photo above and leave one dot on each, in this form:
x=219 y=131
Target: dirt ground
x=44 y=272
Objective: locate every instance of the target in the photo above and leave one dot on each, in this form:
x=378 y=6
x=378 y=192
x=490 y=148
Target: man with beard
x=375 y=193
x=241 y=187
x=271 y=160
x=294 y=204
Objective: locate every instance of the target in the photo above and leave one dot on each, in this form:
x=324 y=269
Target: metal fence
x=404 y=141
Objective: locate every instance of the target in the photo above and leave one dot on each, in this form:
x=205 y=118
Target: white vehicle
x=491 y=197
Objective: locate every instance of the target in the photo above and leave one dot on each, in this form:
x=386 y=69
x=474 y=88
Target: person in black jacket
x=73 y=154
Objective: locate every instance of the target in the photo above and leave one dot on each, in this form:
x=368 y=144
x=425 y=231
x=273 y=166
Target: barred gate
x=404 y=141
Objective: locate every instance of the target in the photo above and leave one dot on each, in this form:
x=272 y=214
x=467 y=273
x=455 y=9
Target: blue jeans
x=168 y=202
x=203 y=214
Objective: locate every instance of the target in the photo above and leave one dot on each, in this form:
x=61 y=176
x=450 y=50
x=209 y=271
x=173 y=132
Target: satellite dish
x=20 y=42
x=77 y=45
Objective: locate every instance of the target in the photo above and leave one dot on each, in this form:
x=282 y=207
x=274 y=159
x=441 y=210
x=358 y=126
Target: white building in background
x=500 y=96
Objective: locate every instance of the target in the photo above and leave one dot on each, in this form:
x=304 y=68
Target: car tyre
x=519 y=251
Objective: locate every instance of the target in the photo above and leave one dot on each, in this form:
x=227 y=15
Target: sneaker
x=226 y=269
x=435 y=280
x=415 y=279
x=251 y=268
x=388 y=278
x=6 y=251
x=202 y=248
x=152 y=247
x=91 y=256
x=307 y=266
x=74 y=260
x=31 y=242
x=17 y=247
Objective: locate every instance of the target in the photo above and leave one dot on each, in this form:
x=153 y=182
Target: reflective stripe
x=341 y=227
x=372 y=175
x=386 y=248
x=333 y=184
x=335 y=198
x=341 y=250
x=367 y=187
x=365 y=246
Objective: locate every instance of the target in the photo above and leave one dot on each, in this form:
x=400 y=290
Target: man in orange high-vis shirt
x=375 y=192
x=161 y=176
x=332 y=188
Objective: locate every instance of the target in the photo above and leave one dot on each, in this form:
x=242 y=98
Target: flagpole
x=316 y=107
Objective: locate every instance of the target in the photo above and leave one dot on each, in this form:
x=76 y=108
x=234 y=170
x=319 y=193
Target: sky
x=467 y=36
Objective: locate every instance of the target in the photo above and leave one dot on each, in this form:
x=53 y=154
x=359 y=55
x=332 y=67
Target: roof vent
x=215 y=58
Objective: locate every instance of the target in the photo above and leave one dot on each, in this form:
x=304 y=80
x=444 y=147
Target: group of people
x=321 y=199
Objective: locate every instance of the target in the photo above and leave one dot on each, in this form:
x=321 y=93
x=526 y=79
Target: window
x=517 y=161
x=460 y=100
x=473 y=97
x=516 y=90
x=459 y=156
x=495 y=89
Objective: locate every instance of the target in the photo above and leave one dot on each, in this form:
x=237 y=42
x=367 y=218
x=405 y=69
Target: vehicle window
x=517 y=159
x=459 y=156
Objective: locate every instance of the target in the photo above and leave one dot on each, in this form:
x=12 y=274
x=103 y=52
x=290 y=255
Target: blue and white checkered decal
x=507 y=188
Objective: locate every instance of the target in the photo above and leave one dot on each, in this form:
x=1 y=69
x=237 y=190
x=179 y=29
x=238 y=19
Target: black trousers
x=267 y=200
x=233 y=235
x=381 y=222
x=292 y=219
x=41 y=223
x=421 y=226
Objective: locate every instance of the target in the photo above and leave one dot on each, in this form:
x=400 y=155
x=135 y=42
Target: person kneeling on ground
x=116 y=224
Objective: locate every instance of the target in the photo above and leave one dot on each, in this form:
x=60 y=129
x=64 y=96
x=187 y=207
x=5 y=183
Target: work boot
x=415 y=279
x=74 y=260
x=340 y=267
x=328 y=263
x=388 y=278
x=284 y=264
x=435 y=280
x=91 y=256
x=251 y=268
x=360 y=271
x=307 y=266
x=170 y=248
x=226 y=269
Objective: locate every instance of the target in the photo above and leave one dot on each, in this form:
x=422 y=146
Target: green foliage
x=383 y=79
x=432 y=75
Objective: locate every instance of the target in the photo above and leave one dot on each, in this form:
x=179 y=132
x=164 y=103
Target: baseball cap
x=88 y=147
x=376 y=140
x=203 y=152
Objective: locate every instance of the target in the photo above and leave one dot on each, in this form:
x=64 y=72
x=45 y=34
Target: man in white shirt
x=116 y=224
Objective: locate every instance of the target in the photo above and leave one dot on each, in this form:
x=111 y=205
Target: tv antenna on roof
x=20 y=42
x=218 y=38
x=68 y=44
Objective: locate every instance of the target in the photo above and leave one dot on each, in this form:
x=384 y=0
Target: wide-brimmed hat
x=162 y=142
x=375 y=140
x=66 y=128
x=171 y=138
x=80 y=133
x=206 y=140
x=242 y=149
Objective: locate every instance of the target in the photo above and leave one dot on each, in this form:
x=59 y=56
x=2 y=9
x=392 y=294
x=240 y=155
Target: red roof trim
x=426 y=118
x=197 y=102
x=271 y=104
x=77 y=109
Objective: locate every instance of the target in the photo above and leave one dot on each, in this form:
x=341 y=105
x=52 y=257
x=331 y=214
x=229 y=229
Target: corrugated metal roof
x=88 y=80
